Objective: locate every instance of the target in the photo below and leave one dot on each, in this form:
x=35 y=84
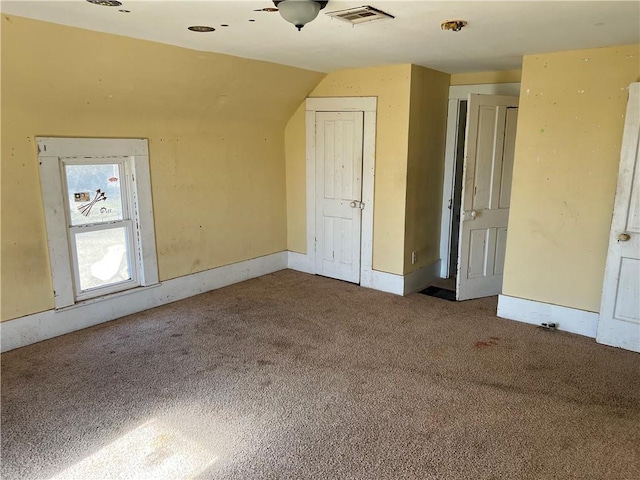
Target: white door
x=486 y=192
x=339 y=194
x=619 y=323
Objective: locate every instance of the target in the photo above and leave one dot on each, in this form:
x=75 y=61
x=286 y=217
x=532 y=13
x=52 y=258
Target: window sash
x=128 y=207
x=124 y=184
x=130 y=253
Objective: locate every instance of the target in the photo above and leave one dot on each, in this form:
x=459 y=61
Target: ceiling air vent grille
x=362 y=14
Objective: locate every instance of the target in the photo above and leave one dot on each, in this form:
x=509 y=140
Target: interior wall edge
x=421 y=278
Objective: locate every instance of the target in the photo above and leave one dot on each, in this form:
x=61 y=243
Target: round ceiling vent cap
x=201 y=28
x=106 y=3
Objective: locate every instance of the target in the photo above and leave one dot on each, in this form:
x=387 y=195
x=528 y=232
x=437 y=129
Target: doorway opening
x=472 y=257
x=455 y=201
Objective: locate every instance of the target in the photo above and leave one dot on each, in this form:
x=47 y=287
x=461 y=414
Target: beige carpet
x=296 y=376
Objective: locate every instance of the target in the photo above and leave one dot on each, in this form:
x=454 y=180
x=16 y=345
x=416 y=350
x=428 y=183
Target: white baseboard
x=567 y=319
x=421 y=278
x=381 y=281
x=387 y=282
x=41 y=326
x=51 y=323
x=299 y=262
x=404 y=285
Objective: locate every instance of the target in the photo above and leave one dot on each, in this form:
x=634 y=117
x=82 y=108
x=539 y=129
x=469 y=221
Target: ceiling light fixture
x=299 y=12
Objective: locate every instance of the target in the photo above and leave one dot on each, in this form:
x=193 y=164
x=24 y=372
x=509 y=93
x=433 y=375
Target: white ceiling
x=499 y=33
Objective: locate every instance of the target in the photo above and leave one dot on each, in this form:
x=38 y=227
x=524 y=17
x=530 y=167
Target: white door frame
x=458 y=93
x=368 y=105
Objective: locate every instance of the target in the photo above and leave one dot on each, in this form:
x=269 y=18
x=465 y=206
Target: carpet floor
x=293 y=376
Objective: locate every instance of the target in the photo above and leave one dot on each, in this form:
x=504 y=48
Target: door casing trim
x=367 y=105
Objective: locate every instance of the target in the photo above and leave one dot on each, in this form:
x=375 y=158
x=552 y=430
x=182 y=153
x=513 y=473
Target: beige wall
x=391 y=84
x=425 y=165
x=570 y=127
x=295 y=150
x=475 y=78
x=215 y=126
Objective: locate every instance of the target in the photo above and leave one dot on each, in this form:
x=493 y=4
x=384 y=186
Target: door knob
x=624 y=237
x=357 y=204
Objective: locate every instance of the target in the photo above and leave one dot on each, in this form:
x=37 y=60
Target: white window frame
x=128 y=217
x=134 y=153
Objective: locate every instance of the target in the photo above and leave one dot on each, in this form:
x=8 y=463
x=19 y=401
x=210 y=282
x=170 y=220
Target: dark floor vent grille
x=438 y=292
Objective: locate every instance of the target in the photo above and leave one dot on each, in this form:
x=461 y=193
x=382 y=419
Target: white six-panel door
x=338 y=194
x=619 y=323
x=488 y=171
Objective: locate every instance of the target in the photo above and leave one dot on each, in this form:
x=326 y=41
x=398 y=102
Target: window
x=97 y=200
x=100 y=227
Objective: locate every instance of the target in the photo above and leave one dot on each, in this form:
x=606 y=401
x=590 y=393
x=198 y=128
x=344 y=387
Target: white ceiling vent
x=362 y=14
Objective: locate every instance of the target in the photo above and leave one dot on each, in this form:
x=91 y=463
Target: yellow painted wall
x=475 y=78
x=295 y=150
x=215 y=126
x=391 y=84
x=570 y=125
x=425 y=165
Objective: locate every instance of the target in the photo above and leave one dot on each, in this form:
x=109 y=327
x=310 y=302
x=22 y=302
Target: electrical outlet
x=414 y=257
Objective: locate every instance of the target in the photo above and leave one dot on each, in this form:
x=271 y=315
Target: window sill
x=108 y=296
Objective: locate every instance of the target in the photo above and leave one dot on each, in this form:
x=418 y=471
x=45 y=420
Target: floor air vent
x=360 y=14
x=438 y=292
